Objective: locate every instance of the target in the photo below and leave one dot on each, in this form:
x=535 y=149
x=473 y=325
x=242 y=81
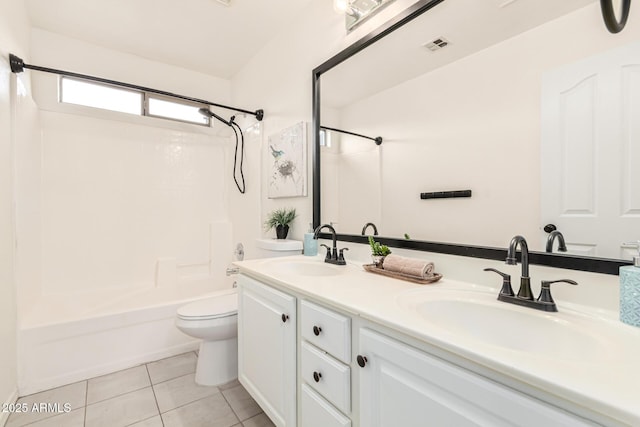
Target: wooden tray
x=371 y=268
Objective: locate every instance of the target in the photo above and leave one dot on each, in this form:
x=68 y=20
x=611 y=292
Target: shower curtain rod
x=377 y=139
x=18 y=66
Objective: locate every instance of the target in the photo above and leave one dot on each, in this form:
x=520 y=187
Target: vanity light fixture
x=340 y=6
x=357 y=11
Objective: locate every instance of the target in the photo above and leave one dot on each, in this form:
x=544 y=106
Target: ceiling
x=200 y=35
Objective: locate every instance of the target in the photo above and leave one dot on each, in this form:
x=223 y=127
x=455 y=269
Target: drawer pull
x=284 y=317
x=317 y=330
x=317 y=376
x=362 y=360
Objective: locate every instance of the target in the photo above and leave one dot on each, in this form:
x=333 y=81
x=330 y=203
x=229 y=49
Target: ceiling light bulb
x=340 y=6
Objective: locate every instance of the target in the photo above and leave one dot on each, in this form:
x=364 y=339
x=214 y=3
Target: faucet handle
x=506 y=282
x=341 y=256
x=328 y=256
x=545 y=290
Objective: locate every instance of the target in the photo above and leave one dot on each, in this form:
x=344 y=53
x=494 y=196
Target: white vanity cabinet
x=341 y=370
x=403 y=386
x=267 y=348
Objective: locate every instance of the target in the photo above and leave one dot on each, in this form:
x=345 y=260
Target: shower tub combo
x=72 y=339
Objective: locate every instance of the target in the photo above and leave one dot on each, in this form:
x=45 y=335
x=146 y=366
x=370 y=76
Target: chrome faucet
x=525 y=280
x=562 y=246
x=332 y=257
x=370 y=224
x=525 y=298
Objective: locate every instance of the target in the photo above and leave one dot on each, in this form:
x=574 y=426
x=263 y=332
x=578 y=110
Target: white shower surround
x=121 y=220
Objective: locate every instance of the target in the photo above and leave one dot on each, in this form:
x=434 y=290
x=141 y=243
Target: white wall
x=14 y=38
x=278 y=79
x=473 y=124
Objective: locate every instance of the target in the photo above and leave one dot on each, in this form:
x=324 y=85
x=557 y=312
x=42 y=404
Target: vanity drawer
x=317 y=412
x=326 y=329
x=327 y=376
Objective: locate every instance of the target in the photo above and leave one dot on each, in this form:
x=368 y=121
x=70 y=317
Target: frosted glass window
x=176 y=111
x=98 y=95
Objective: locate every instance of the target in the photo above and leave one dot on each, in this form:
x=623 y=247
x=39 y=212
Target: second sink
x=479 y=317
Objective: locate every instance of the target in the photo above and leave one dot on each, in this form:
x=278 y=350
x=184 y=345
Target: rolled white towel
x=409 y=266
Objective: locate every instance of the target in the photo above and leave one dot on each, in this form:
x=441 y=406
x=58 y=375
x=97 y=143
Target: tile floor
x=157 y=394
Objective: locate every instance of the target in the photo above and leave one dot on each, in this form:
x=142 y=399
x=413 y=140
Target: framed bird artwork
x=287 y=162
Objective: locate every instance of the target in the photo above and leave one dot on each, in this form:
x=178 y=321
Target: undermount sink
x=309 y=268
x=478 y=316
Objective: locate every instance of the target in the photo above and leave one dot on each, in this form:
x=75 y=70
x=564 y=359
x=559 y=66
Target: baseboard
x=4 y=416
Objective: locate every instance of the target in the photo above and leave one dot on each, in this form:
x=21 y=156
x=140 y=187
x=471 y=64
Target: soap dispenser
x=310 y=244
x=630 y=290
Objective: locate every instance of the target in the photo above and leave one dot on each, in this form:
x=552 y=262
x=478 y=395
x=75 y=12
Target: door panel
x=590 y=151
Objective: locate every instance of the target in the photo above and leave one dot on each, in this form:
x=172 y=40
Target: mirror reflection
x=528 y=106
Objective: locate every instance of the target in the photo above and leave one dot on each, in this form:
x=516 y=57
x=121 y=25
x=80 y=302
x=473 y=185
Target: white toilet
x=215 y=321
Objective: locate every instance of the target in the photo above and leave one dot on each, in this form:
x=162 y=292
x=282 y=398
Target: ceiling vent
x=437 y=44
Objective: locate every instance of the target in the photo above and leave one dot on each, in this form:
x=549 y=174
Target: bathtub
x=67 y=339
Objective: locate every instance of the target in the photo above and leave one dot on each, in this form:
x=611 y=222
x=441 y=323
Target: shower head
x=208 y=113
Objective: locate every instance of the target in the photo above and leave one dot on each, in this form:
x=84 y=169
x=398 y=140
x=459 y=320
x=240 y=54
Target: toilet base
x=217 y=362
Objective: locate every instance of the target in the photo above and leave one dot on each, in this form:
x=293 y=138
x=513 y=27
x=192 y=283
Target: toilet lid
x=211 y=308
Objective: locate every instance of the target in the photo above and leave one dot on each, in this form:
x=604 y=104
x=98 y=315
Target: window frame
x=148 y=95
x=106 y=85
x=144 y=100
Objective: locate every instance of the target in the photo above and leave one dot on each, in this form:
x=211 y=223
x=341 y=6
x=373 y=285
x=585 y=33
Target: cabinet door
x=267 y=349
x=402 y=386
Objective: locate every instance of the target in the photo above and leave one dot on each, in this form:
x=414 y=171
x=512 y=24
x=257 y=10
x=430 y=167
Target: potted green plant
x=280 y=220
x=378 y=251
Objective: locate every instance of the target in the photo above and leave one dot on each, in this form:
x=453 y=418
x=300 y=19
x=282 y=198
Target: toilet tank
x=271 y=248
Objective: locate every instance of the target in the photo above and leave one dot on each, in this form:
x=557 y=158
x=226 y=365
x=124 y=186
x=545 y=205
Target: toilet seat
x=216 y=307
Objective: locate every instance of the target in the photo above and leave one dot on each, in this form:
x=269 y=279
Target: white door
x=267 y=349
x=402 y=386
x=591 y=152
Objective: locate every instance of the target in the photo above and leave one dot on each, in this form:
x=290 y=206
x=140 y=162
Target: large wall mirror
x=528 y=106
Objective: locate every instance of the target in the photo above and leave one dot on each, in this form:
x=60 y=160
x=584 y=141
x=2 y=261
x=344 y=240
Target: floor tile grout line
x=51 y=389
x=169 y=379
x=153 y=390
x=140 y=421
x=86 y=399
x=48 y=418
x=48 y=415
x=194 y=401
x=231 y=407
x=118 y=395
x=138 y=389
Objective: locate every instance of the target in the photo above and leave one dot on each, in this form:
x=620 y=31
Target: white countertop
x=605 y=381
